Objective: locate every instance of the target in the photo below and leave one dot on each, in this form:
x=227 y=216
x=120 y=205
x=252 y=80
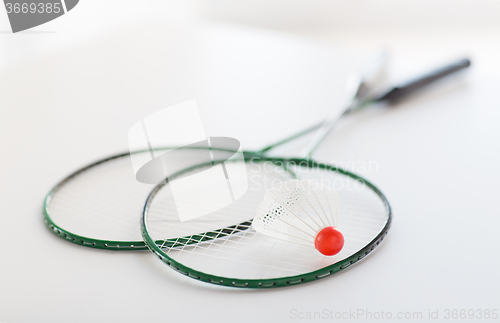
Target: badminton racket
x=222 y=248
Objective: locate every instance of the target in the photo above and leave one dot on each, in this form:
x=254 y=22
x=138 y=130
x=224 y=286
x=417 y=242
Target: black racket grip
x=398 y=92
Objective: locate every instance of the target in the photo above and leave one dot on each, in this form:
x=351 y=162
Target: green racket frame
x=274 y=282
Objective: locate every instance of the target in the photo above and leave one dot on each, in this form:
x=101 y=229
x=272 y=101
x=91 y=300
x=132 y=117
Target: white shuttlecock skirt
x=296 y=211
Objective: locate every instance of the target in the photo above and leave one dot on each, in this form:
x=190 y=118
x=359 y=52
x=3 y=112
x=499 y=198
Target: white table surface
x=71 y=89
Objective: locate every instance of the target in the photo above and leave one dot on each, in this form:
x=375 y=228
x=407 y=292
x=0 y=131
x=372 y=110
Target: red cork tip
x=329 y=241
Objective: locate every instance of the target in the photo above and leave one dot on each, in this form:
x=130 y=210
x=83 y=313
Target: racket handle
x=400 y=91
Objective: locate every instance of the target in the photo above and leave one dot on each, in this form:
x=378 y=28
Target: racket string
x=103 y=201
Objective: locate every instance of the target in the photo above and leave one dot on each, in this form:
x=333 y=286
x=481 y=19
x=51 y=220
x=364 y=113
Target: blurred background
x=70 y=90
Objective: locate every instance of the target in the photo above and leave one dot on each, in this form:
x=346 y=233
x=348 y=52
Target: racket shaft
x=403 y=90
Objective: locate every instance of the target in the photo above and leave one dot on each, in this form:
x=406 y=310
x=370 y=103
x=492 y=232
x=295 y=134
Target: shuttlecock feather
x=304 y=212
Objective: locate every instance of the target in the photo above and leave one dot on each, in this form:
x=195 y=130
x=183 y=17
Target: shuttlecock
x=304 y=212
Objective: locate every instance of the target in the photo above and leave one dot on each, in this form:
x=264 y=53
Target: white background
x=70 y=90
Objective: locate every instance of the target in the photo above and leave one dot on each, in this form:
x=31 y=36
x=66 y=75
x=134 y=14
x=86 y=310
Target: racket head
x=208 y=249
x=99 y=205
